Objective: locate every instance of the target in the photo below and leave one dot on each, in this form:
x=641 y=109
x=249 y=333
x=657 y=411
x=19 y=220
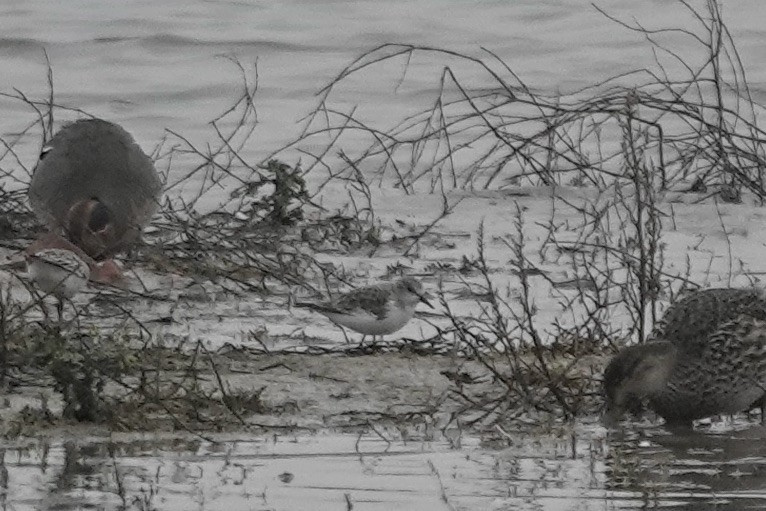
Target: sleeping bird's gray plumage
x=95 y=185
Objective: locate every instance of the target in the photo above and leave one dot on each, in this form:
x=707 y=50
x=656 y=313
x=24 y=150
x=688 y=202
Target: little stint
x=58 y=272
x=375 y=310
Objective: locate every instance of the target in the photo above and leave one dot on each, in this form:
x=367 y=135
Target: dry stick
x=442 y=489
x=221 y=387
x=189 y=372
x=638 y=225
x=716 y=129
x=401 y=50
x=476 y=343
x=494 y=129
x=248 y=95
x=660 y=147
x=616 y=251
x=447 y=210
x=10 y=149
x=528 y=316
x=328 y=147
x=748 y=97
x=502 y=334
x=441 y=132
x=729 y=257
x=360 y=184
x=370 y=58
x=530 y=142
x=208 y=160
x=118 y=478
x=379 y=139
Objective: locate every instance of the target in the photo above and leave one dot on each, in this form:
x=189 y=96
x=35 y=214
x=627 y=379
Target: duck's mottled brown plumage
x=696 y=316
x=707 y=356
x=726 y=377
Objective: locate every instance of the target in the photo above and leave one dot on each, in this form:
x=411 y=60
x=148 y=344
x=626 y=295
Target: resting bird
x=707 y=356
x=375 y=310
x=95 y=186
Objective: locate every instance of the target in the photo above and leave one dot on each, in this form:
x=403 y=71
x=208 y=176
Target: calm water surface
x=581 y=469
x=158 y=65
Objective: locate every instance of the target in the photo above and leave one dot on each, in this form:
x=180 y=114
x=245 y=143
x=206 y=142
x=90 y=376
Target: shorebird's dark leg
x=762 y=405
x=60 y=309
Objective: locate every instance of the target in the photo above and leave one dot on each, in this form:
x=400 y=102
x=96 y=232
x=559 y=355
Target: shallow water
x=582 y=468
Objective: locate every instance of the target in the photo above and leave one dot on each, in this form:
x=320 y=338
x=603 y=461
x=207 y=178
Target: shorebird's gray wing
x=693 y=319
x=371 y=299
x=62 y=259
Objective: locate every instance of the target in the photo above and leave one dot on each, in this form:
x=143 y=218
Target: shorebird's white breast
x=58 y=272
x=366 y=323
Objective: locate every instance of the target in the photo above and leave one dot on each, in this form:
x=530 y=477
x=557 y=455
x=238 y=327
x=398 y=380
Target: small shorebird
x=707 y=356
x=58 y=272
x=94 y=185
x=375 y=310
x=104 y=272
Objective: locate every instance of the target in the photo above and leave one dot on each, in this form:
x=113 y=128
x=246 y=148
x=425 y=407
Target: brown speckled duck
x=707 y=356
x=95 y=186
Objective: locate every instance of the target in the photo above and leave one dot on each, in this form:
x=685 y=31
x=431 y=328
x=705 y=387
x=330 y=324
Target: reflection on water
x=582 y=468
x=693 y=471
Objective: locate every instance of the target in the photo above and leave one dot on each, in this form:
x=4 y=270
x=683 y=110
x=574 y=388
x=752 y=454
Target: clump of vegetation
x=278 y=197
x=117 y=377
x=67 y=361
x=80 y=366
x=285 y=204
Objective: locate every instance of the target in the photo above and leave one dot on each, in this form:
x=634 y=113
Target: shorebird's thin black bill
x=424 y=298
